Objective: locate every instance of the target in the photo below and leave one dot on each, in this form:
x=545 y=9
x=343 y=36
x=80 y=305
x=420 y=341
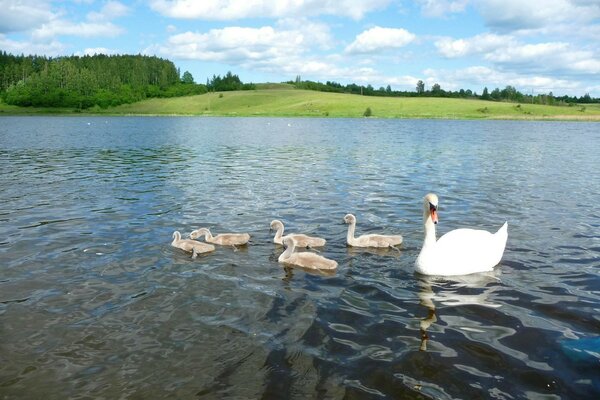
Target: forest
x=83 y=82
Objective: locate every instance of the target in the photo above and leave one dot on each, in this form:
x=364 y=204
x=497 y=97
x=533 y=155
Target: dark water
x=94 y=303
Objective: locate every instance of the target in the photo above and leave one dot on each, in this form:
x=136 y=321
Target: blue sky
x=535 y=46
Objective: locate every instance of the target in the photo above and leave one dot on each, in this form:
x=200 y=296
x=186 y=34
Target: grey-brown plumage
x=371 y=240
x=304 y=259
x=223 y=239
x=191 y=246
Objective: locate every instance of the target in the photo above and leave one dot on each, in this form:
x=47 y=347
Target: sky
x=537 y=46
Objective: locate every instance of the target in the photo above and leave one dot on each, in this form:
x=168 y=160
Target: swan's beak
x=433 y=212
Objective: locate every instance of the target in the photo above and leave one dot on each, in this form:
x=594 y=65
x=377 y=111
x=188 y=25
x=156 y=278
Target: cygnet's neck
x=288 y=252
x=350 y=235
x=279 y=233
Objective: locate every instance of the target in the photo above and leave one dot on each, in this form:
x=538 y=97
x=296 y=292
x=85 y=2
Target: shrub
x=368 y=112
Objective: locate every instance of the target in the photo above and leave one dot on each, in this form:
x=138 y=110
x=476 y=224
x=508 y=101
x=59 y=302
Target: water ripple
x=93 y=298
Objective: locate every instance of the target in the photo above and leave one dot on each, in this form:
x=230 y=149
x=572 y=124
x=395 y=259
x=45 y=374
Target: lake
x=95 y=303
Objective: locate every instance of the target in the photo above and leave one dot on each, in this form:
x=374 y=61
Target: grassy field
x=283 y=101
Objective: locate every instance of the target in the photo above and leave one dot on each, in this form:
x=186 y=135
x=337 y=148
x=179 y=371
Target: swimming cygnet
x=224 y=239
x=304 y=259
x=191 y=246
x=301 y=239
x=372 y=240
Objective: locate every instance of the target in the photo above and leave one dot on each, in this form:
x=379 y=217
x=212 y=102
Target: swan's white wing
x=465 y=251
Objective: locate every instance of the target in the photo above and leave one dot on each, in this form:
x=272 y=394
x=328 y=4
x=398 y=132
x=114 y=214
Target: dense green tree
x=420 y=87
x=485 y=95
x=187 y=77
x=228 y=82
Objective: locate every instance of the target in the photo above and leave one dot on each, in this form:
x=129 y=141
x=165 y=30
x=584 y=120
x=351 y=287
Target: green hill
x=281 y=101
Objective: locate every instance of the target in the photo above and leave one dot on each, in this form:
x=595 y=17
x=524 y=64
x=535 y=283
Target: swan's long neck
x=207 y=234
x=429 y=226
x=288 y=252
x=350 y=235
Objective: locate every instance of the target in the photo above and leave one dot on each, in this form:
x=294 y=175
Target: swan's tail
x=503 y=231
x=502 y=237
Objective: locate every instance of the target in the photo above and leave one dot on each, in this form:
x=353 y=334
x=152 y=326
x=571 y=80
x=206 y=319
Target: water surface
x=95 y=303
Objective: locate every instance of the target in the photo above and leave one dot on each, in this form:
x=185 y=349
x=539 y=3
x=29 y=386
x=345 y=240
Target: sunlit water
x=95 y=303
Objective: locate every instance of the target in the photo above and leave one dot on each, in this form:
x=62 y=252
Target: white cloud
x=378 y=39
x=49 y=48
x=59 y=27
x=506 y=51
x=248 y=46
x=234 y=44
x=110 y=10
x=439 y=8
x=97 y=50
x=519 y=15
x=239 y=9
x=484 y=43
x=22 y=15
x=315 y=33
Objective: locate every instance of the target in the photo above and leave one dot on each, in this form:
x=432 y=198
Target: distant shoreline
x=294 y=103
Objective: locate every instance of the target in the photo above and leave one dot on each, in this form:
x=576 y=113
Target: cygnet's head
x=350 y=219
x=288 y=242
x=198 y=233
x=276 y=224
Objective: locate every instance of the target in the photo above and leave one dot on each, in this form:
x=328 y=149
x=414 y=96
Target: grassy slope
x=280 y=100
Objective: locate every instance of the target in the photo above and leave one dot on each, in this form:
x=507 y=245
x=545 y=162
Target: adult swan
x=458 y=252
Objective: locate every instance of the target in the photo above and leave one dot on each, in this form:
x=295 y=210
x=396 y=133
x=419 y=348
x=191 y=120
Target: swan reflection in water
x=445 y=291
x=377 y=251
x=290 y=270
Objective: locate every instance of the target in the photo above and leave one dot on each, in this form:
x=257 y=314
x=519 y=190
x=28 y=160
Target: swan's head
x=350 y=219
x=430 y=206
x=276 y=224
x=288 y=242
x=198 y=233
x=176 y=235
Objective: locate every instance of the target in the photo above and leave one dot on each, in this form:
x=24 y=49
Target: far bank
x=306 y=103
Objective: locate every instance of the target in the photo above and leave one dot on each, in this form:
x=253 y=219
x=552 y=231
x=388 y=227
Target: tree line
x=99 y=80
x=509 y=93
x=109 y=80
x=83 y=82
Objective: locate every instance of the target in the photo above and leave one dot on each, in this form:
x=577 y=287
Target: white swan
x=304 y=259
x=224 y=239
x=301 y=239
x=458 y=252
x=191 y=246
x=372 y=240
